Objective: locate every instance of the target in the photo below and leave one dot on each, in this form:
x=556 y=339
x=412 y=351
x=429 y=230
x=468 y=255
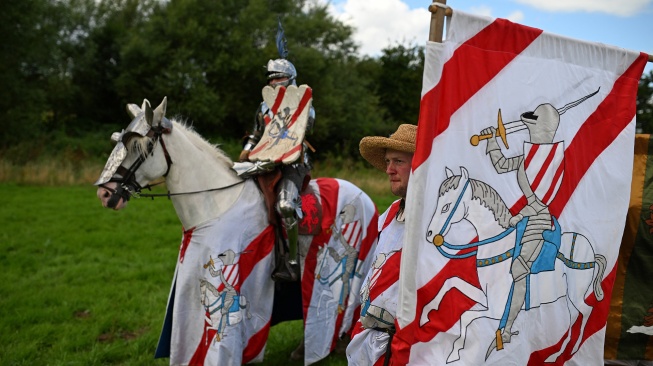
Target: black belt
x=388 y=350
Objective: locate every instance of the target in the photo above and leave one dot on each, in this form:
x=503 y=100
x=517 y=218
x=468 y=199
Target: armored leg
x=521 y=267
x=289 y=206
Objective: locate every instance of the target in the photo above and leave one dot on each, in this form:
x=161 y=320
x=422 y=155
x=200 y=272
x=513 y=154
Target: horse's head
x=139 y=157
x=451 y=207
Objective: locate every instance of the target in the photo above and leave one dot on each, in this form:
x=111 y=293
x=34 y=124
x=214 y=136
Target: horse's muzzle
x=113 y=197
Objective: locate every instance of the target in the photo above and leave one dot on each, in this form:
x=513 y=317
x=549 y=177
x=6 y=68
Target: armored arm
x=311 y=120
x=257 y=132
x=499 y=161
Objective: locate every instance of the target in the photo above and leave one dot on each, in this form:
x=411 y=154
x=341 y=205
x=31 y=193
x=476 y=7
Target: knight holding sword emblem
x=540 y=170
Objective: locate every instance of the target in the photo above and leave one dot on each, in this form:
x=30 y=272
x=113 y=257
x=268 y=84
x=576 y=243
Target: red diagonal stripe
x=277 y=102
x=392 y=212
x=545 y=166
x=600 y=129
x=188 y=235
x=389 y=274
x=308 y=94
x=329 y=189
x=255 y=344
x=289 y=153
x=556 y=178
x=259 y=147
x=370 y=236
x=485 y=54
x=531 y=153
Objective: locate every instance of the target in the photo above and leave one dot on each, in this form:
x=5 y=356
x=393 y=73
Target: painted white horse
x=222 y=308
x=576 y=272
x=222 y=213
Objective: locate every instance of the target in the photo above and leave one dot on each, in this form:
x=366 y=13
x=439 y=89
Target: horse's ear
x=160 y=117
x=133 y=110
x=160 y=112
x=464 y=172
x=149 y=114
x=448 y=172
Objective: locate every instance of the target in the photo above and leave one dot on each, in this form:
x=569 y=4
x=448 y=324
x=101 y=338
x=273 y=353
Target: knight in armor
x=542 y=124
x=281 y=72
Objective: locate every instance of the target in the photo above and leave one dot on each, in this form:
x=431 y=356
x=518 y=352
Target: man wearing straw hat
x=379 y=294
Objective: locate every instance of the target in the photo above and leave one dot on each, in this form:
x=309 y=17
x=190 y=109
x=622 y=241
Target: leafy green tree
x=94 y=46
x=400 y=82
x=645 y=103
x=28 y=65
x=209 y=56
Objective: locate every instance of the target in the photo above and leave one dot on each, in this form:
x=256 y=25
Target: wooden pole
x=437 y=20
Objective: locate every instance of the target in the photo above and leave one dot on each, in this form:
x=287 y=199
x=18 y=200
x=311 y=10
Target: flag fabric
x=217 y=310
x=629 y=330
x=378 y=294
x=220 y=304
x=501 y=266
x=334 y=265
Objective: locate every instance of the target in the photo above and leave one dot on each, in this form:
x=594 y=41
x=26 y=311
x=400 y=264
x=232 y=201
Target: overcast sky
x=623 y=23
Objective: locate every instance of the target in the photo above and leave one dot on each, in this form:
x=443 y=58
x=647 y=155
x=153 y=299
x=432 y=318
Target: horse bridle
x=127 y=184
x=439 y=241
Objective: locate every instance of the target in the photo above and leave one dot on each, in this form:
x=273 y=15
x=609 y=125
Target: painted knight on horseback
x=542 y=156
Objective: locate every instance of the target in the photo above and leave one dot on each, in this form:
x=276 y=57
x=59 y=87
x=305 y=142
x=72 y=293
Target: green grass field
x=83 y=285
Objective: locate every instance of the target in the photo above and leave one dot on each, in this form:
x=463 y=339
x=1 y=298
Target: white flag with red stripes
x=514 y=222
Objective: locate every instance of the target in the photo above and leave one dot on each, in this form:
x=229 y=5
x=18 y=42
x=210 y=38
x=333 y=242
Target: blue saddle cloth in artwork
x=545 y=261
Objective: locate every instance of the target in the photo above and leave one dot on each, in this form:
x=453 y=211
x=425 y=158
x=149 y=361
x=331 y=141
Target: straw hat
x=373 y=147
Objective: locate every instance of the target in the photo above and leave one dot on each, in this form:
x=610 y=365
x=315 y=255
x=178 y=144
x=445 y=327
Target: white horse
x=220 y=212
x=576 y=272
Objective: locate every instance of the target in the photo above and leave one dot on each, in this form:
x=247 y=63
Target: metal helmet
x=282 y=68
x=542 y=123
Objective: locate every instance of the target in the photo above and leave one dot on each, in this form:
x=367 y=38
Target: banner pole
x=437 y=20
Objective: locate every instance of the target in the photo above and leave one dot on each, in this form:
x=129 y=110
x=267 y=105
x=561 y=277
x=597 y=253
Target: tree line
x=69 y=67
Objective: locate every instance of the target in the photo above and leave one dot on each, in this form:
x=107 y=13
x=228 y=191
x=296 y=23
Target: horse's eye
x=445 y=208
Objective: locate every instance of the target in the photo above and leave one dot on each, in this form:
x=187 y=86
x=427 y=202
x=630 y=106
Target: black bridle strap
x=165 y=153
x=152 y=195
x=127 y=175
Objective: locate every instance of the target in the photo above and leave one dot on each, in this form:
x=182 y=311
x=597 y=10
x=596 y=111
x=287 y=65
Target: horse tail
x=601 y=264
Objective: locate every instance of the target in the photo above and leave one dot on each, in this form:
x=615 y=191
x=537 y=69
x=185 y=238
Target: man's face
x=274 y=82
x=397 y=167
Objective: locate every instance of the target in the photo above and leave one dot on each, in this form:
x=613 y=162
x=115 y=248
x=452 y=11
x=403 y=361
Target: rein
x=465 y=246
x=152 y=195
x=471 y=245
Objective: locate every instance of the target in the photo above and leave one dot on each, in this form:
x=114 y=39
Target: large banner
x=629 y=334
x=518 y=197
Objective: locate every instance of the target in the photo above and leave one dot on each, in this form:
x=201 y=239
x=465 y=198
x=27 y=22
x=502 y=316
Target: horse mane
x=487 y=196
x=140 y=145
